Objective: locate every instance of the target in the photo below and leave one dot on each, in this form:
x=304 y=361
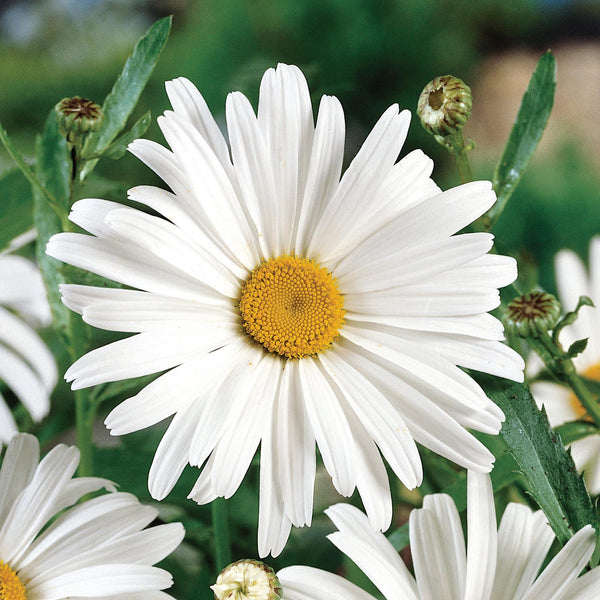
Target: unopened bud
x=78 y=116
x=533 y=314
x=247 y=580
x=445 y=105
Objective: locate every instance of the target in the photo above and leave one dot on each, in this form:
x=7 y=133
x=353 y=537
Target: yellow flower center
x=593 y=373
x=11 y=587
x=292 y=306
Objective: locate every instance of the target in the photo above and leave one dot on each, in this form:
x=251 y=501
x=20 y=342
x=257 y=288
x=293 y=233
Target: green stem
x=84 y=424
x=563 y=368
x=221 y=533
x=459 y=151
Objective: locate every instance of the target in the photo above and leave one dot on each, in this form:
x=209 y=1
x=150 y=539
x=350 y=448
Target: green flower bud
x=445 y=105
x=247 y=580
x=78 y=116
x=532 y=314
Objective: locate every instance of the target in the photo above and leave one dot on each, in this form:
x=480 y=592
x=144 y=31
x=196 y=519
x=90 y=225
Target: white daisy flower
x=98 y=548
x=561 y=404
x=27 y=367
x=292 y=306
x=498 y=564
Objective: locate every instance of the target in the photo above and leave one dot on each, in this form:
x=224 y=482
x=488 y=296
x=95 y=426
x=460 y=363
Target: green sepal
x=548 y=467
x=16 y=206
x=526 y=133
x=121 y=101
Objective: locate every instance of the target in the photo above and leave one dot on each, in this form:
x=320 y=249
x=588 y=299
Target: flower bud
x=445 y=105
x=247 y=580
x=78 y=116
x=532 y=314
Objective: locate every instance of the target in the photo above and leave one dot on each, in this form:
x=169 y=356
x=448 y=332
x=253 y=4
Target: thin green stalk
x=84 y=424
x=221 y=533
x=459 y=151
x=564 y=369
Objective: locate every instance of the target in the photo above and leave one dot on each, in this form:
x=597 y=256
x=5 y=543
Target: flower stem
x=84 y=424
x=459 y=150
x=562 y=367
x=221 y=533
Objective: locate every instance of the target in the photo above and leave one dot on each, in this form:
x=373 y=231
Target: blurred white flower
x=498 y=564
x=98 y=548
x=561 y=404
x=292 y=306
x=27 y=367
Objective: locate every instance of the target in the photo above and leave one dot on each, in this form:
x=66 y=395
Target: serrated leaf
x=16 y=206
x=575 y=430
x=118 y=148
x=526 y=133
x=126 y=91
x=552 y=478
x=504 y=473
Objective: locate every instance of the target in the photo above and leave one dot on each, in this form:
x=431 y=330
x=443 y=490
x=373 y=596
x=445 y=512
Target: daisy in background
x=561 y=403
x=27 y=367
x=502 y=564
x=97 y=549
x=290 y=304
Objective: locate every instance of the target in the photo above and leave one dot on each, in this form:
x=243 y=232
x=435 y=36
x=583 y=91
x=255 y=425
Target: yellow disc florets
x=11 y=587
x=292 y=306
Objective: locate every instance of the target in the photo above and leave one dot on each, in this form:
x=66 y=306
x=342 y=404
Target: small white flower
x=27 y=367
x=498 y=564
x=561 y=404
x=98 y=548
x=292 y=306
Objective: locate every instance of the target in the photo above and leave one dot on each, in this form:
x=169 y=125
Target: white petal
x=295 y=448
x=438 y=549
x=481 y=537
x=564 y=567
x=585 y=587
x=101 y=580
x=146 y=353
x=18 y=467
x=273 y=524
x=308 y=583
x=286 y=122
x=371 y=552
x=23 y=339
x=245 y=427
x=329 y=425
x=381 y=420
x=35 y=504
x=212 y=188
x=524 y=538
x=25 y=383
x=324 y=171
x=8 y=427
x=344 y=221
x=187 y=101
x=255 y=174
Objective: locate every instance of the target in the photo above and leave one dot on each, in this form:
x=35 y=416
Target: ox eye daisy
x=293 y=306
x=53 y=549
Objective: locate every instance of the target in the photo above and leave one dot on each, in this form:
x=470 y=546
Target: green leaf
x=126 y=91
x=118 y=148
x=53 y=170
x=576 y=348
x=526 y=133
x=575 y=430
x=570 y=317
x=553 y=480
x=16 y=206
x=504 y=473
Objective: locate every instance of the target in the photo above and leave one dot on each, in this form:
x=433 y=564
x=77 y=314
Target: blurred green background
x=368 y=53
